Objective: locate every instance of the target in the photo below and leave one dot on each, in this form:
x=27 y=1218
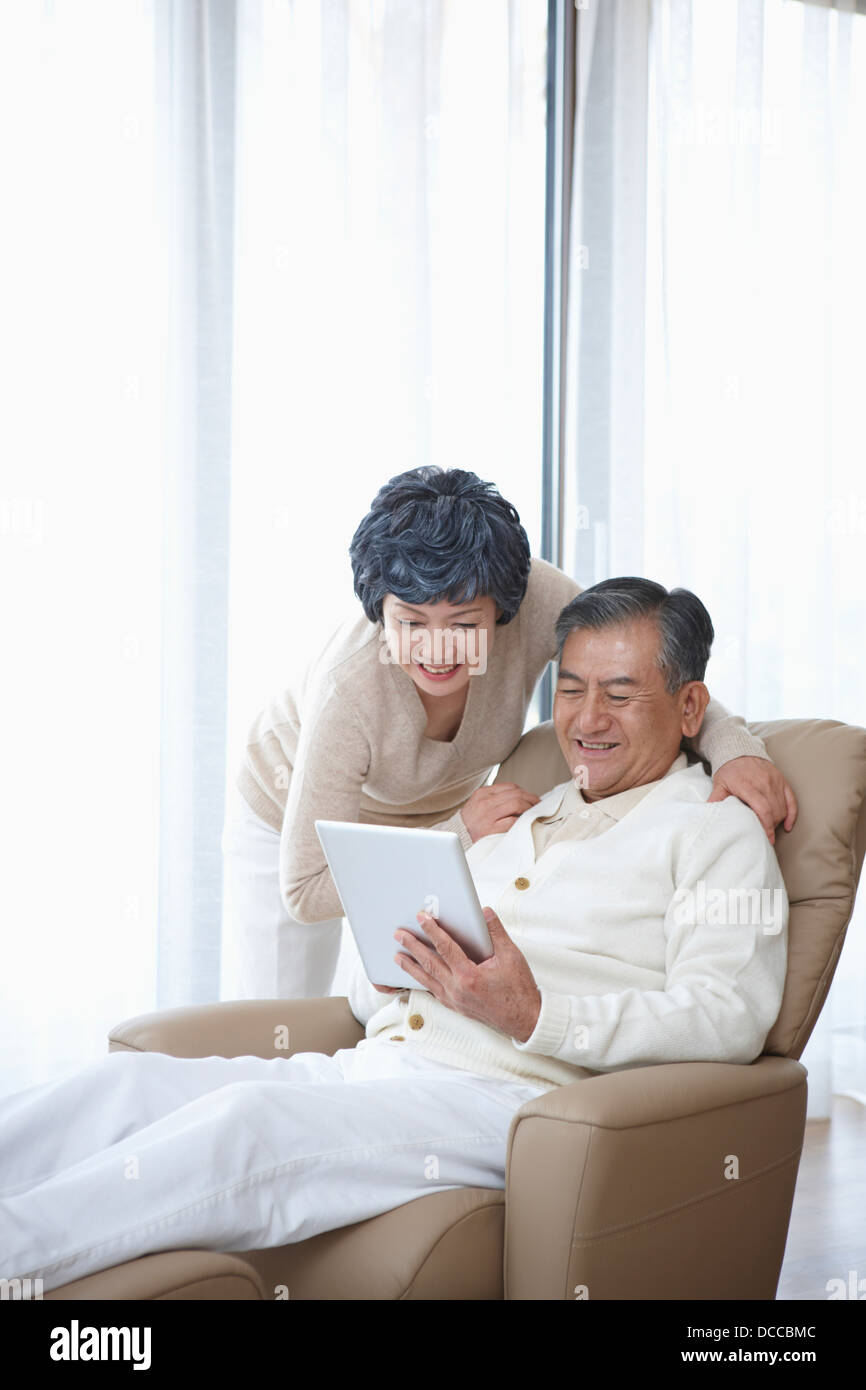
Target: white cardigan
x=662 y=940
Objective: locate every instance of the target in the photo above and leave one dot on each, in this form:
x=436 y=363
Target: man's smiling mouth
x=595 y=747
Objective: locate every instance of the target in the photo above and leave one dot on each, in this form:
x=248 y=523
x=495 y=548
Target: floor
x=827 y=1235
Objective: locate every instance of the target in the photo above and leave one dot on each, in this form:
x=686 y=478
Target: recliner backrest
x=820 y=859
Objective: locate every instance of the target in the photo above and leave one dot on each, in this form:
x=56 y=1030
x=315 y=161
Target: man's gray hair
x=684 y=624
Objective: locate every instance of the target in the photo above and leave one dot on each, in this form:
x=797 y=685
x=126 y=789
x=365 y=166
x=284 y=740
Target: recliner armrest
x=242 y=1028
x=672 y=1181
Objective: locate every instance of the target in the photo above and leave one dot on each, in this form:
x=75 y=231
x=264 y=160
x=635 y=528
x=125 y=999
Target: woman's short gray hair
x=684 y=624
x=440 y=533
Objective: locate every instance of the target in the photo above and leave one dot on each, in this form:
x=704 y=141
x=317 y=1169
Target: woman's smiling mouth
x=438 y=673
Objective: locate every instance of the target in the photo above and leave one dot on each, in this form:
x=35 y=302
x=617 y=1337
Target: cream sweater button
x=416 y=1021
x=521 y=882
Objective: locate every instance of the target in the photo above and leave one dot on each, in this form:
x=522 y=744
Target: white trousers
x=140 y=1151
x=267 y=954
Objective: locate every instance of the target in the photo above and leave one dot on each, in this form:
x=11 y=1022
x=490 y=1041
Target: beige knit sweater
x=347 y=742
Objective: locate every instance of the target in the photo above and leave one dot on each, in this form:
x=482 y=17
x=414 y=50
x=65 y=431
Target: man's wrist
x=532 y=1014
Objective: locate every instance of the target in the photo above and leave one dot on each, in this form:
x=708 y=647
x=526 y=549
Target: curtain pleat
x=196 y=147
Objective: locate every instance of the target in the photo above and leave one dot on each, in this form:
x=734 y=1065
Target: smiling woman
x=369 y=735
x=443 y=570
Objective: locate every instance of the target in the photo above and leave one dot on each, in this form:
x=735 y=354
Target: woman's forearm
x=724 y=736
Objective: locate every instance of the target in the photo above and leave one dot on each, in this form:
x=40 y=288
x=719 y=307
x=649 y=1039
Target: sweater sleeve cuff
x=551 y=1026
x=456 y=824
x=720 y=745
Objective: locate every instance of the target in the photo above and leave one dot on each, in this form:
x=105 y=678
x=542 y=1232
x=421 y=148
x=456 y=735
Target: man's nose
x=592 y=717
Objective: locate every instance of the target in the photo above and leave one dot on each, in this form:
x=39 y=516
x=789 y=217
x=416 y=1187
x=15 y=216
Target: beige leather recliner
x=616 y=1184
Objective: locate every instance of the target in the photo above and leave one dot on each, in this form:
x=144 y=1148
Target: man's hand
x=761 y=786
x=500 y=991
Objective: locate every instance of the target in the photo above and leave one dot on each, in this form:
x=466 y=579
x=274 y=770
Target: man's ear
x=694 y=697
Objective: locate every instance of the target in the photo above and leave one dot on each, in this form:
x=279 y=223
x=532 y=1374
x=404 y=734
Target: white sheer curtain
x=717 y=332
x=388 y=295
x=256 y=258
x=82 y=278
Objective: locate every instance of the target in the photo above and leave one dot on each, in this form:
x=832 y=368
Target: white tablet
x=384 y=874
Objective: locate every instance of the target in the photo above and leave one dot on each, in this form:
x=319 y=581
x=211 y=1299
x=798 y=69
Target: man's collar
x=567 y=796
x=621 y=803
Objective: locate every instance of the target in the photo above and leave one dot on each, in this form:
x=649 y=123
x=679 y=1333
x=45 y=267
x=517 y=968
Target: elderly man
x=616 y=913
